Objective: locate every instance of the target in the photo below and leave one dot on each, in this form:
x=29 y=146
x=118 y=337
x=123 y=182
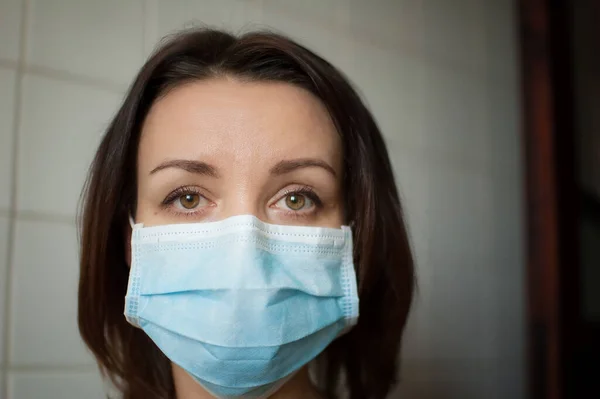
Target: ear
x=127 y=237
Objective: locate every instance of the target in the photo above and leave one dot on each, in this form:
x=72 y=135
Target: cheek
x=337 y=217
x=146 y=213
x=333 y=216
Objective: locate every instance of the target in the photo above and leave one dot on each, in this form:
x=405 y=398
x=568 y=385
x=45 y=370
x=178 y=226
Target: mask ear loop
x=131 y=221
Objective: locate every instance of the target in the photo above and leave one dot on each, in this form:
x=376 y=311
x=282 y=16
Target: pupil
x=189 y=201
x=295 y=202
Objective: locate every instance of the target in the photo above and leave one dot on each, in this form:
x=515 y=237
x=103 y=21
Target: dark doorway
x=560 y=54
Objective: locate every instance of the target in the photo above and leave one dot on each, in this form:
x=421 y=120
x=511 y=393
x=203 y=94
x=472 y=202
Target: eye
x=295 y=202
x=189 y=201
x=186 y=200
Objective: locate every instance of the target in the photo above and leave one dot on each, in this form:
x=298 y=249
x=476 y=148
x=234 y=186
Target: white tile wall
x=7 y=95
x=395 y=99
x=3 y=267
x=418 y=335
x=500 y=39
x=317 y=26
x=228 y=14
x=456 y=223
x=412 y=171
x=79 y=37
x=448 y=379
x=507 y=258
x=53 y=385
x=413 y=175
x=453 y=32
x=44 y=301
x=441 y=80
x=503 y=127
x=10 y=26
x=392 y=24
x=455 y=111
x=67 y=129
x=459 y=255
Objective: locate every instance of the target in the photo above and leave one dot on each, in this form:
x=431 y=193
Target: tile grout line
x=385 y=44
x=33 y=216
x=52 y=369
x=8 y=64
x=18 y=97
x=364 y=39
x=66 y=76
x=37 y=216
x=147 y=46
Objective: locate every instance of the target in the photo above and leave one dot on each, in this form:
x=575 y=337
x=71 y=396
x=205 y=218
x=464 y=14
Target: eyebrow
x=197 y=167
x=291 y=165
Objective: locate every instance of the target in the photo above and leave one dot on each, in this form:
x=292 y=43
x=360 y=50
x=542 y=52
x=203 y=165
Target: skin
x=217 y=148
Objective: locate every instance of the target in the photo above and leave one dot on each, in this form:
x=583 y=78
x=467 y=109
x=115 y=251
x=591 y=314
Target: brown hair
x=368 y=354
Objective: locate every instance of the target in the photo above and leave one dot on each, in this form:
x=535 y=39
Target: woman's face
x=217 y=148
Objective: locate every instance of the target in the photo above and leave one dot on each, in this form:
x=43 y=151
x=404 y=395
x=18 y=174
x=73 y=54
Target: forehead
x=225 y=120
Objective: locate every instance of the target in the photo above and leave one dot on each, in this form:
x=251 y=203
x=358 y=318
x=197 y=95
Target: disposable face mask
x=239 y=304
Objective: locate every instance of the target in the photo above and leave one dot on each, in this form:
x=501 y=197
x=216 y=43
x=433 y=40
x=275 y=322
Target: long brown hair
x=368 y=355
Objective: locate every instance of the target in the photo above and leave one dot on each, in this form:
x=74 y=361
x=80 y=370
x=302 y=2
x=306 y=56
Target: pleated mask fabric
x=240 y=304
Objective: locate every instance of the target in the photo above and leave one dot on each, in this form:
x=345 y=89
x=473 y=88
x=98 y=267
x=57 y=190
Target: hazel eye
x=297 y=202
x=189 y=201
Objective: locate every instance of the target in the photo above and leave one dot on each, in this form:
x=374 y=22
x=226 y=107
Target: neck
x=298 y=387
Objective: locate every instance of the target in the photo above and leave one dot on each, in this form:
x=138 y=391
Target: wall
x=441 y=79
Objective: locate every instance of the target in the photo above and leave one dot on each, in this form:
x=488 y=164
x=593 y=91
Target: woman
x=239 y=205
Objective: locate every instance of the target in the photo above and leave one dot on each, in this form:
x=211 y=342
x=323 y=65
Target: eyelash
x=310 y=194
x=304 y=190
x=178 y=192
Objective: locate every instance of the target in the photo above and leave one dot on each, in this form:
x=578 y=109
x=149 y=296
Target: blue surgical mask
x=239 y=304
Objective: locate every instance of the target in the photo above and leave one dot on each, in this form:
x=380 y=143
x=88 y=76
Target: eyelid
x=183 y=190
x=169 y=203
x=170 y=206
x=307 y=191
